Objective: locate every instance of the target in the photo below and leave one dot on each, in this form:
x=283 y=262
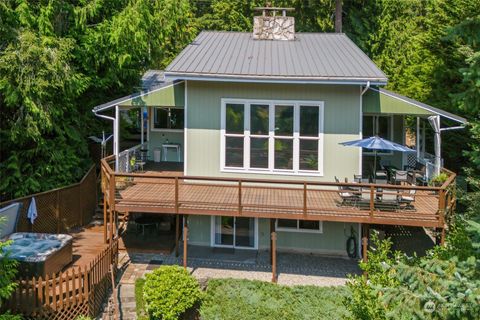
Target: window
x=381 y=126
x=168 y=118
x=272 y=136
x=299 y=226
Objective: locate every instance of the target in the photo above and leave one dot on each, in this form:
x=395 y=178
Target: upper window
x=168 y=118
x=299 y=226
x=271 y=136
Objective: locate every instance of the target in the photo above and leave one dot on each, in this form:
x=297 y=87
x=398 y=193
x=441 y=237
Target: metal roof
x=311 y=57
x=422 y=105
x=151 y=81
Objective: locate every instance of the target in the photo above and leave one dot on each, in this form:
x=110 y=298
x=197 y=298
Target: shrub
x=8 y=270
x=169 y=292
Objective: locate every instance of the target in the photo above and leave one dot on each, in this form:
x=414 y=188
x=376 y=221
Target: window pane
x=383 y=129
x=310 y=225
x=259 y=119
x=161 y=118
x=283 y=154
x=176 y=119
x=259 y=152
x=234 y=151
x=235 y=114
x=367 y=126
x=309 y=121
x=308 y=154
x=284 y=120
x=286 y=223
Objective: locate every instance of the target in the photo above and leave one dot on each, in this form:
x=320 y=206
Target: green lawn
x=244 y=299
x=139 y=303
x=232 y=299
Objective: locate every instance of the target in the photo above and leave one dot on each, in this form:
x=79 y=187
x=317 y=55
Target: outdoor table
x=146 y=221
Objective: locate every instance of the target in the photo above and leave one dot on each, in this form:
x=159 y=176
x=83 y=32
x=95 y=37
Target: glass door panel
x=245 y=232
x=224 y=231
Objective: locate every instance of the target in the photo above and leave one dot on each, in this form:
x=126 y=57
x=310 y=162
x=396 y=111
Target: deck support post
x=177 y=233
x=273 y=250
x=440 y=236
x=112 y=212
x=185 y=238
x=365 y=231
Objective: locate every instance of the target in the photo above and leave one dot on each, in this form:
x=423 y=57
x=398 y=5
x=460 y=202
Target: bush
x=169 y=292
x=236 y=299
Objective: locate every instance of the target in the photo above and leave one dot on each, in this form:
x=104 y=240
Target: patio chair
x=407 y=200
x=9 y=218
x=381 y=174
x=389 y=201
x=400 y=177
x=349 y=197
x=357 y=178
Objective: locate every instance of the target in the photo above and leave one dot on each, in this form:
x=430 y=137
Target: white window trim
x=212 y=236
x=390 y=116
x=271 y=136
x=152 y=120
x=298 y=229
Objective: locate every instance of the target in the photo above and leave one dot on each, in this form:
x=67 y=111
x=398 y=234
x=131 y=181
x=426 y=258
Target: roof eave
x=171 y=76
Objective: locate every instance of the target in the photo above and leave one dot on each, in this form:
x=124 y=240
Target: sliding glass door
x=234 y=232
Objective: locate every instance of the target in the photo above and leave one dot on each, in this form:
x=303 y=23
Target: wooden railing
x=69 y=294
x=286 y=199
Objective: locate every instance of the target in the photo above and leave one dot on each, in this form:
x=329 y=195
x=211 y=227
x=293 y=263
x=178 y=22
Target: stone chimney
x=272 y=26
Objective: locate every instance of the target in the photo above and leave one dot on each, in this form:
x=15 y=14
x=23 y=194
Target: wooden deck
x=87 y=245
x=163 y=193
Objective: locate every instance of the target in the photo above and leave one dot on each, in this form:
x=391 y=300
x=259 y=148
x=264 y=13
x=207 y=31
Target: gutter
x=366 y=88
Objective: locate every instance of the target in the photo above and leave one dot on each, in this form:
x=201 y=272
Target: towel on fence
x=32 y=211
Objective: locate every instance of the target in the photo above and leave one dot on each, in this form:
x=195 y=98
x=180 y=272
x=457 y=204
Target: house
x=244 y=131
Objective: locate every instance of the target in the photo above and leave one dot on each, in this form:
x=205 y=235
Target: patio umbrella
x=376 y=143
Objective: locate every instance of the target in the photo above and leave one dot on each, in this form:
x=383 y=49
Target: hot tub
x=40 y=254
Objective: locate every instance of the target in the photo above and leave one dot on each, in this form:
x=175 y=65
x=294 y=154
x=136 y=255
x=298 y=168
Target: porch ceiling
x=385 y=101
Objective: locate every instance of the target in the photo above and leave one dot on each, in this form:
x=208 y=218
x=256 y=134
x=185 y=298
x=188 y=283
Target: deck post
x=272 y=229
x=177 y=233
x=274 y=256
x=185 y=238
x=440 y=236
x=366 y=231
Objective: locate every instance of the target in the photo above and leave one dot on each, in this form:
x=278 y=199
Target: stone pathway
x=207 y=263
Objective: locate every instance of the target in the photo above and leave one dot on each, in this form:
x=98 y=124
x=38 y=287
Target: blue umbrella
x=376 y=143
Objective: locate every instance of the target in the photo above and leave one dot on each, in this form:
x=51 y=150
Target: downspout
x=115 y=132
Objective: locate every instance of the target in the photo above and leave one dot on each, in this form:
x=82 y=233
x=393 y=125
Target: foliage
x=245 y=299
x=439 y=179
x=8 y=316
x=445 y=284
x=139 y=301
x=8 y=270
x=61 y=58
x=169 y=292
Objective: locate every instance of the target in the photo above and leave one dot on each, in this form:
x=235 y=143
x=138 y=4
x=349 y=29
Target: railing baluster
x=305 y=198
x=372 y=200
x=239 y=197
x=176 y=196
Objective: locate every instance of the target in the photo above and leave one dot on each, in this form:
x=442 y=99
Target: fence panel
x=60 y=210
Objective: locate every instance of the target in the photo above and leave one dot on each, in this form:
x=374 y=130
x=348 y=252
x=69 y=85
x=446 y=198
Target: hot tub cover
x=33 y=247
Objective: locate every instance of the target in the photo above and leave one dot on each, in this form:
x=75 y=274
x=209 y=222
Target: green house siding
x=331 y=241
x=341 y=123
x=375 y=102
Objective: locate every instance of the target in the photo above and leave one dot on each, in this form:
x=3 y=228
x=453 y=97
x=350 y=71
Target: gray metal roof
x=151 y=81
x=422 y=105
x=322 y=57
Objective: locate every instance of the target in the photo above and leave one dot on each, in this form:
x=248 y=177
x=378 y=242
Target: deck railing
x=286 y=199
x=69 y=294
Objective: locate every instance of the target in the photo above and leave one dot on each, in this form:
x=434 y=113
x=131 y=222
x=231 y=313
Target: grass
x=243 y=299
x=139 y=302
x=232 y=299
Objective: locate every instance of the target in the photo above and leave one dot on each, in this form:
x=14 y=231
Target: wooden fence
x=60 y=210
x=69 y=294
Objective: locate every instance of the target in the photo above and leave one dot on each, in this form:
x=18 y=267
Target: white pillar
x=116 y=136
x=417 y=136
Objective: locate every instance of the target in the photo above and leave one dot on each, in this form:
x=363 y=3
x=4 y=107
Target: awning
x=379 y=100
